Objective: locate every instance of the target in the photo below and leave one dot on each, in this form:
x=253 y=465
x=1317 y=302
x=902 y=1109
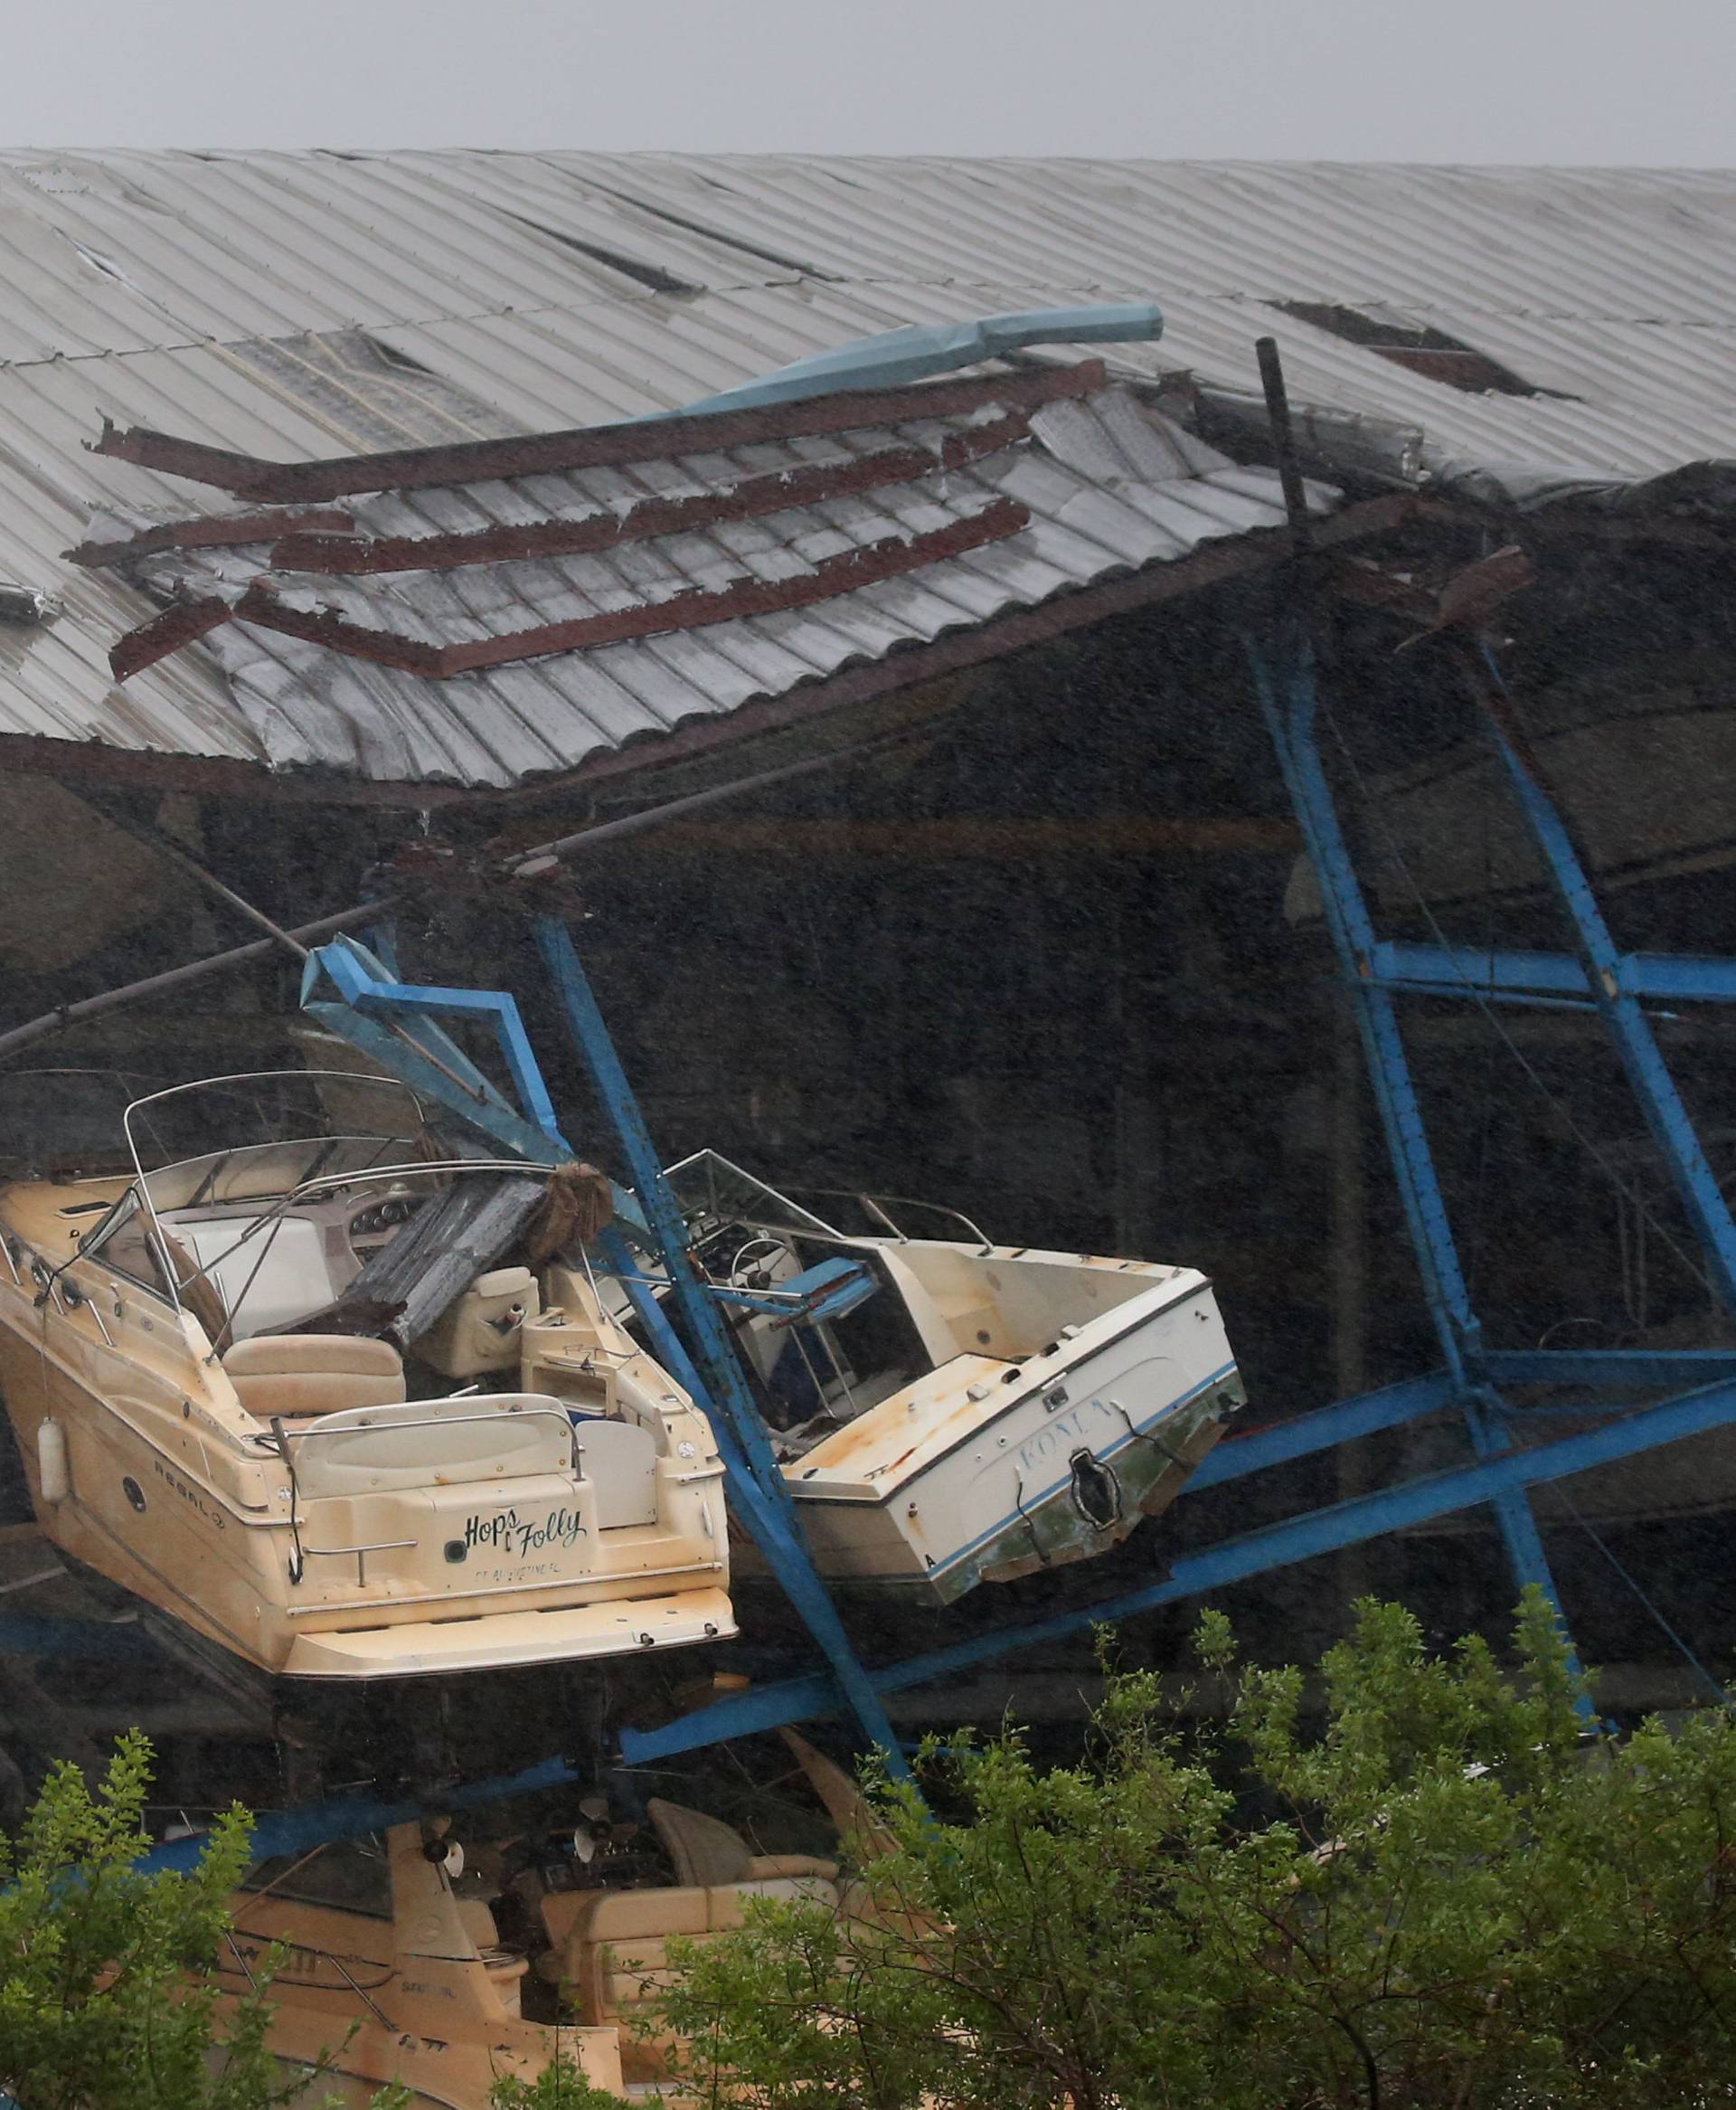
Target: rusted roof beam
x=214 y=531
x=351 y=555
x=179 y=624
x=586 y=446
x=681 y=612
x=974 y=645
x=234 y=777
x=1465 y=599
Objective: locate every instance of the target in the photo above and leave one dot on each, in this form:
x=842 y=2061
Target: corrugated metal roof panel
x=550 y=290
x=1107 y=488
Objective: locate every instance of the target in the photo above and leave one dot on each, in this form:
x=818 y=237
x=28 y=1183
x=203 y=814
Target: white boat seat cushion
x=422 y=1443
x=301 y=1376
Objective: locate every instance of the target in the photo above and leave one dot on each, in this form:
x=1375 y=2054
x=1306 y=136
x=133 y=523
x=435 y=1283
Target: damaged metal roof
x=296 y=305
x=509 y=608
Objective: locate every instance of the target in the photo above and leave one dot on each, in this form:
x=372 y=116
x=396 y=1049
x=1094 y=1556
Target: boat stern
x=989 y=1469
x=436 y=1648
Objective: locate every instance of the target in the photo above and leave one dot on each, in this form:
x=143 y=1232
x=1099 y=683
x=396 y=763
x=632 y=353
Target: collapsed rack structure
x=1616 y=1411
x=1505 y=1457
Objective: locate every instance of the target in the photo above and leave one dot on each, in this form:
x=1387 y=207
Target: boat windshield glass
x=266 y=1133
x=713 y=1191
x=62 y=1119
x=352 y=1874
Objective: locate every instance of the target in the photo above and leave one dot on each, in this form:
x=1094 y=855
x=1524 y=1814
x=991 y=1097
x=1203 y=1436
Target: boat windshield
x=266 y=1133
x=65 y=1118
x=352 y=1874
x=713 y=1191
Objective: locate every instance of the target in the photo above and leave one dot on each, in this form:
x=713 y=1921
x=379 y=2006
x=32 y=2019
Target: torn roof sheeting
x=508 y=608
x=298 y=304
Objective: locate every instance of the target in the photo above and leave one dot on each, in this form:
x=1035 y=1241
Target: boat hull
x=574 y=1633
x=987 y=1472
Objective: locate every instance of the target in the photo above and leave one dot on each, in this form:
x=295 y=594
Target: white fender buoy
x=53 y=1467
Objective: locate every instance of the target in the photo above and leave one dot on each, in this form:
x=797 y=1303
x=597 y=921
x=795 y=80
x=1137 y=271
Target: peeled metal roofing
x=554 y=289
x=1076 y=486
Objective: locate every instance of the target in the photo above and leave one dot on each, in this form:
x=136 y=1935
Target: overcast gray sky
x=1490 y=80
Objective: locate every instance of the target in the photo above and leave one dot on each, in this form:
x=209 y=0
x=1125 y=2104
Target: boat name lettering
x=293 y=1962
x=506 y=1532
x=1063 y=1435
x=212 y=1516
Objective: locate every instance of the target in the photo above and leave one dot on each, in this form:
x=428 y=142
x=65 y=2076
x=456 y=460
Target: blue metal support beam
x=396 y=1024
x=804 y=1698
x=894 y=358
x=1629 y=1029
x=1234 y=1560
x=390 y=997
x=1288 y=701
x=1324 y=1428
x=718 y=1385
x=1466 y=970
x=770 y=1519
x=286 y=1832
x=1492 y=1439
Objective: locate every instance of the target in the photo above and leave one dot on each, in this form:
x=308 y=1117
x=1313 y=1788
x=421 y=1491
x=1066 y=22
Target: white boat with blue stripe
x=948 y=1411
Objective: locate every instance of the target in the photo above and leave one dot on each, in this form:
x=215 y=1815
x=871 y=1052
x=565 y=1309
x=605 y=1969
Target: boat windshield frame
x=138 y=1191
x=793 y=1215
x=800 y=1219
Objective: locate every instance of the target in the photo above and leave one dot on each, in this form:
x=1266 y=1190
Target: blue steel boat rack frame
x=1469 y=1381
x=357 y=993
x=353 y=991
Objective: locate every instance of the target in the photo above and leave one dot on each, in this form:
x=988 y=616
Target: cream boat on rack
x=193 y=1426
x=412 y=1961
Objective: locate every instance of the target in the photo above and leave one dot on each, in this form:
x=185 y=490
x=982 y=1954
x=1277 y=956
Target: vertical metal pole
x=1519 y=1533
x=1349 y=1207
x=719 y=1389
x=1349 y=1237
x=1290 y=470
x=1352 y=928
x=1628 y=1026
x=1291 y=724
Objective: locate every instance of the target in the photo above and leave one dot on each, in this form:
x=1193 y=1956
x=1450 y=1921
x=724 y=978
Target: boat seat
x=615 y=1952
x=505 y=1967
x=300 y=1376
x=728 y=1902
x=784 y=1867
x=702 y=1850
x=613 y=1943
